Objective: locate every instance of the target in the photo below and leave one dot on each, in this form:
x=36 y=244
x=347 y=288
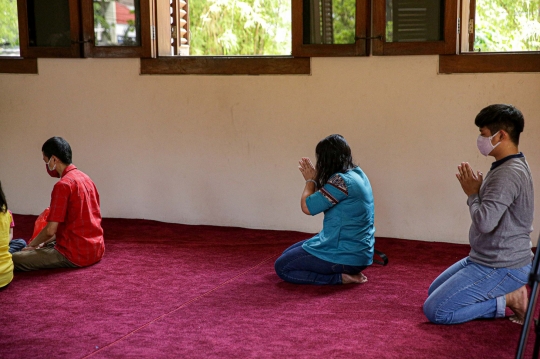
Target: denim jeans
x=468 y=291
x=297 y=266
x=16 y=245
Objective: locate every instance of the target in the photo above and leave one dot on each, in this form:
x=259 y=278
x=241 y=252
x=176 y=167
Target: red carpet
x=175 y=291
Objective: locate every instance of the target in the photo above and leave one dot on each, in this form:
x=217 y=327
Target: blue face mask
x=484 y=144
x=52 y=171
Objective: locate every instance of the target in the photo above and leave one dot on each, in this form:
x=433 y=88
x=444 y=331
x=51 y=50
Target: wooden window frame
x=82 y=35
x=361 y=47
x=484 y=62
x=446 y=46
x=226 y=65
x=162 y=63
x=465 y=27
x=17 y=65
x=28 y=51
x=489 y=63
x=90 y=50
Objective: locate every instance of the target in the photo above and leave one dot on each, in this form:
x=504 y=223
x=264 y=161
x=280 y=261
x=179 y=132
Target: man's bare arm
x=46 y=235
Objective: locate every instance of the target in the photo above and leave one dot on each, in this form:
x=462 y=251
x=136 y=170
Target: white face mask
x=484 y=144
x=49 y=167
x=52 y=172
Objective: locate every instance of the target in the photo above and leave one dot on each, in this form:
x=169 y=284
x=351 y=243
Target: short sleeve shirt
x=75 y=206
x=348 y=230
x=12 y=224
x=6 y=263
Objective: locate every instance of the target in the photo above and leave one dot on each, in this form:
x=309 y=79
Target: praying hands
x=307 y=168
x=470 y=182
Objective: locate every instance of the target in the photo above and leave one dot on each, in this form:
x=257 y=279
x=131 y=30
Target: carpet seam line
x=180 y=307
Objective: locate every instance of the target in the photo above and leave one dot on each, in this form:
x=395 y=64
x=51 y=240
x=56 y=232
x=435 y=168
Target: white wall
x=223 y=150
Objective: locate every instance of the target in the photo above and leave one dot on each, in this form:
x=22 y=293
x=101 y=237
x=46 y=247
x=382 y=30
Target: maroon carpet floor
x=174 y=291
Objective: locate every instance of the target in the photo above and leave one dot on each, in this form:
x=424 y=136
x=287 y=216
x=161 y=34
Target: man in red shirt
x=73 y=236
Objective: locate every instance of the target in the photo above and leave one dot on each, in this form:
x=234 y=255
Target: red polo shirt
x=75 y=205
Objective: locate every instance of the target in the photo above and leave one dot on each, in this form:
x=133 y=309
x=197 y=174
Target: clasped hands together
x=470 y=182
x=307 y=168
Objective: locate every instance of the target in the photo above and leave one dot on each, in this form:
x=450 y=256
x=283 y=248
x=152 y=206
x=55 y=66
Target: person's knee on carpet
x=501 y=209
x=432 y=313
x=279 y=267
x=343 y=249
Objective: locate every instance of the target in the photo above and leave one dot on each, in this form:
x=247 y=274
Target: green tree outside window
x=9 y=28
x=240 y=27
x=507 y=25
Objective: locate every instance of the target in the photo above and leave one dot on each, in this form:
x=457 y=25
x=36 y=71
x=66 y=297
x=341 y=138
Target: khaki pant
x=43 y=258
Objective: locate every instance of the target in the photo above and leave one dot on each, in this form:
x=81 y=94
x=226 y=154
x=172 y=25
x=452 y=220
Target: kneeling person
x=501 y=206
x=73 y=236
x=344 y=248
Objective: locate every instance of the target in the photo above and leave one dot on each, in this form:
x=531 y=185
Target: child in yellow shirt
x=6 y=233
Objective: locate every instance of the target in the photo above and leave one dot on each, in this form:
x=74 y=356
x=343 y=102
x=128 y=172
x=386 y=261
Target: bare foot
x=350 y=278
x=518 y=301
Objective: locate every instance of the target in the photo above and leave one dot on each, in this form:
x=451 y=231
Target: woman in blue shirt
x=344 y=248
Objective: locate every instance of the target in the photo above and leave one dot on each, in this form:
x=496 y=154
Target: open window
x=10 y=54
x=118 y=28
x=84 y=28
x=9 y=30
x=331 y=28
x=249 y=37
x=497 y=36
x=501 y=26
x=414 y=27
x=224 y=27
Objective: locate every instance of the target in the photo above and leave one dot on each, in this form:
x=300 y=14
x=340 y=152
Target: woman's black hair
x=3 y=203
x=57 y=146
x=333 y=156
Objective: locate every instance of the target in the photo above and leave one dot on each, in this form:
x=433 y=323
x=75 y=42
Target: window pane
x=329 y=21
x=48 y=23
x=9 y=28
x=507 y=25
x=234 y=27
x=117 y=23
x=414 y=20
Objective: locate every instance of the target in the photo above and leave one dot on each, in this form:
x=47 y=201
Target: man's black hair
x=502 y=117
x=57 y=146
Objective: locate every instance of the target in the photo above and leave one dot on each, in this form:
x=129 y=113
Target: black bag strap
x=383 y=256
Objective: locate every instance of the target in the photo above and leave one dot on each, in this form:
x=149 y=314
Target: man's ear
x=55 y=159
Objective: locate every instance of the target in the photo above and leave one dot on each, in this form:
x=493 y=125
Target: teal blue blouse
x=348 y=230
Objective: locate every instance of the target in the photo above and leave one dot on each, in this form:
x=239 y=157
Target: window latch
x=471 y=26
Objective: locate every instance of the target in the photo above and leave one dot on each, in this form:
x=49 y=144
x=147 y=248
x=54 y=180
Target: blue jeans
x=468 y=291
x=297 y=266
x=16 y=245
